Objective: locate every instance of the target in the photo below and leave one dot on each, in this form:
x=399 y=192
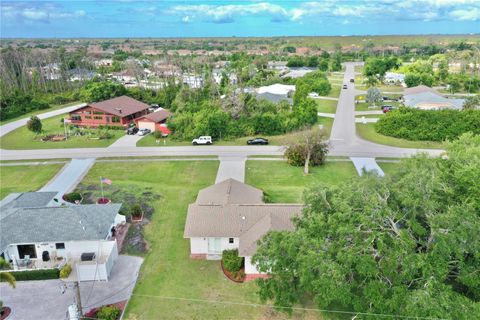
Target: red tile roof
x=121 y=106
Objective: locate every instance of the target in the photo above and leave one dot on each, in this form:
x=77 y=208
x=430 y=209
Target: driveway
x=126 y=141
x=231 y=167
x=68 y=178
x=368 y=165
x=32 y=300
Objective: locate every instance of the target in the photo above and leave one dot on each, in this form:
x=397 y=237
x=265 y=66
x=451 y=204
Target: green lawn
x=167 y=271
x=326 y=106
x=25 y=178
x=335 y=92
x=22 y=138
x=36 y=112
x=382 y=88
x=367 y=132
x=364 y=106
x=327 y=124
x=389 y=167
x=284 y=183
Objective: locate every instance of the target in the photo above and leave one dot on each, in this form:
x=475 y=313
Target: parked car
x=202 y=140
x=144 y=132
x=386 y=109
x=258 y=141
x=345 y=86
x=132 y=130
x=352 y=80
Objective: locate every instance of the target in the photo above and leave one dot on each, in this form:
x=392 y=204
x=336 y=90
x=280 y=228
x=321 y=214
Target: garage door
x=146 y=125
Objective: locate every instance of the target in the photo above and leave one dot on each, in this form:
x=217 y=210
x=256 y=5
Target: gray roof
x=275 y=98
x=419 y=89
x=430 y=100
x=65 y=223
x=25 y=200
x=235 y=214
x=229 y=191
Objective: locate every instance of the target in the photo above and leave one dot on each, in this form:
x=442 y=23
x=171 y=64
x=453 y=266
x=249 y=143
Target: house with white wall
x=37 y=236
x=233 y=215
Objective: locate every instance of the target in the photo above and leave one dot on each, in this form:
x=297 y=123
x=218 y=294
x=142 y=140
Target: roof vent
x=119 y=110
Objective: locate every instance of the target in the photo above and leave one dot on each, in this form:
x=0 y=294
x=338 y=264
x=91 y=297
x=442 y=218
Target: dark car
x=386 y=109
x=258 y=141
x=352 y=80
x=132 y=130
x=345 y=86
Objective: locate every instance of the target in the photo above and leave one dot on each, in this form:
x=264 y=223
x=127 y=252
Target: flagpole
x=101 y=187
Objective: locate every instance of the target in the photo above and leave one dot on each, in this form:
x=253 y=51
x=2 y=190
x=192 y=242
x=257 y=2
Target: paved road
x=6 y=128
x=344 y=140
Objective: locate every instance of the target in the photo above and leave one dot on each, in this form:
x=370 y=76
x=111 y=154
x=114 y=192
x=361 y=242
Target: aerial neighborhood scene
x=239 y=160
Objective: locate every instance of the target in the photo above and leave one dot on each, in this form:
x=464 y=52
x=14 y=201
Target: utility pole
x=78 y=299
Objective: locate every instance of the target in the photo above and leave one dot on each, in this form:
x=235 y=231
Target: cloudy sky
x=207 y=18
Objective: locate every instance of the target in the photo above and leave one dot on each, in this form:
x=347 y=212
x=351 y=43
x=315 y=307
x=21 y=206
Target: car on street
x=386 y=109
x=202 y=140
x=261 y=141
x=132 y=131
x=144 y=132
x=352 y=80
x=345 y=86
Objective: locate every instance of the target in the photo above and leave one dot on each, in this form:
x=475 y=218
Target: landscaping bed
x=41 y=274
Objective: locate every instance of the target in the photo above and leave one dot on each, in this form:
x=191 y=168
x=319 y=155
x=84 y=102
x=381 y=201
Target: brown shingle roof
x=419 y=89
x=229 y=191
x=120 y=106
x=158 y=116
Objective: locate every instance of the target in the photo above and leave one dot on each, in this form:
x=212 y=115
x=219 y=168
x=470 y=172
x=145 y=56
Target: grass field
x=25 y=178
x=326 y=106
x=284 y=183
x=388 y=167
x=22 y=138
x=382 y=88
x=365 y=106
x=367 y=132
x=335 y=92
x=36 y=112
x=168 y=275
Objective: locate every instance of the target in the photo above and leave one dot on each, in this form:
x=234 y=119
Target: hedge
x=429 y=125
x=231 y=261
x=43 y=274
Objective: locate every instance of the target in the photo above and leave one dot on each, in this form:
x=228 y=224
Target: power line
x=282 y=307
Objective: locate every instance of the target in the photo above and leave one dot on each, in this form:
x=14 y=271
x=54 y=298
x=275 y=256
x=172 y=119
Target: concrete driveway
x=231 y=167
x=126 y=141
x=33 y=300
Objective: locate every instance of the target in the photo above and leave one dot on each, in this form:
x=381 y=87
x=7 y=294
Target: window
x=88 y=117
x=88 y=112
x=76 y=117
x=97 y=112
x=98 y=118
x=115 y=119
x=231 y=240
x=27 y=250
x=59 y=245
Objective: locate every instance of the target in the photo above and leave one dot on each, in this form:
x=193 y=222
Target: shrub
x=108 y=313
x=34 y=124
x=65 y=271
x=296 y=156
x=43 y=274
x=430 y=125
x=103 y=135
x=72 y=197
x=231 y=261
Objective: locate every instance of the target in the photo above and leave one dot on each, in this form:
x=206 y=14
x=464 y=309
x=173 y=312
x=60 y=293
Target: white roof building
x=277 y=88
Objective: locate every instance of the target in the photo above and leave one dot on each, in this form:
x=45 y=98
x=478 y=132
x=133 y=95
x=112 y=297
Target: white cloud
x=472 y=14
x=30 y=12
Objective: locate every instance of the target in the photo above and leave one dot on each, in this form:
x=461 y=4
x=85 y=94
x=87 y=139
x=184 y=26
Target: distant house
x=426 y=98
x=232 y=215
x=79 y=74
x=120 y=111
x=38 y=236
x=277 y=88
x=394 y=78
x=297 y=72
x=277 y=65
x=155 y=121
x=193 y=81
x=274 y=98
x=218 y=75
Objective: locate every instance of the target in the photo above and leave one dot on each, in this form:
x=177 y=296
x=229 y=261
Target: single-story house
x=193 y=81
x=232 y=215
x=277 y=88
x=274 y=98
x=120 y=111
x=394 y=78
x=37 y=236
x=155 y=121
x=419 y=89
x=431 y=101
x=298 y=72
x=277 y=65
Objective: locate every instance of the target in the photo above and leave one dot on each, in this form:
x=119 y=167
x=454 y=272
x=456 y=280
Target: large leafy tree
x=406 y=245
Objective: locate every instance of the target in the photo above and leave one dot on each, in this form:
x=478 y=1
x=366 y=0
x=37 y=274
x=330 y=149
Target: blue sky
x=207 y=18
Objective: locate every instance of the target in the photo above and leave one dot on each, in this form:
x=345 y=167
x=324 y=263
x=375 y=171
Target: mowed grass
x=170 y=284
x=25 y=178
x=326 y=106
x=389 y=168
x=367 y=132
x=335 y=92
x=37 y=112
x=22 y=138
x=284 y=183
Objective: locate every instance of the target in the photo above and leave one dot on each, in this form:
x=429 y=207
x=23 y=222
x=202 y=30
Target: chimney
x=119 y=110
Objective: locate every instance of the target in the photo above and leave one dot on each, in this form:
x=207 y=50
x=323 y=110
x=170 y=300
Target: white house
x=193 y=81
x=232 y=215
x=217 y=75
x=277 y=65
x=277 y=88
x=37 y=236
x=394 y=78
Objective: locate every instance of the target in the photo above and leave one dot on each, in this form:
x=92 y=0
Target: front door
x=214 y=245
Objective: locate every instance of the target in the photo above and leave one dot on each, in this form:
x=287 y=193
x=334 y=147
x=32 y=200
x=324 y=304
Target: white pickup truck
x=202 y=140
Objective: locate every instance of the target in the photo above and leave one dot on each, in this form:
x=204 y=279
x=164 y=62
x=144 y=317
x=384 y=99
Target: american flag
x=106 y=181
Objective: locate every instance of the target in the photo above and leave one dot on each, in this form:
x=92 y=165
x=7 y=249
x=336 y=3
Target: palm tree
x=8 y=277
